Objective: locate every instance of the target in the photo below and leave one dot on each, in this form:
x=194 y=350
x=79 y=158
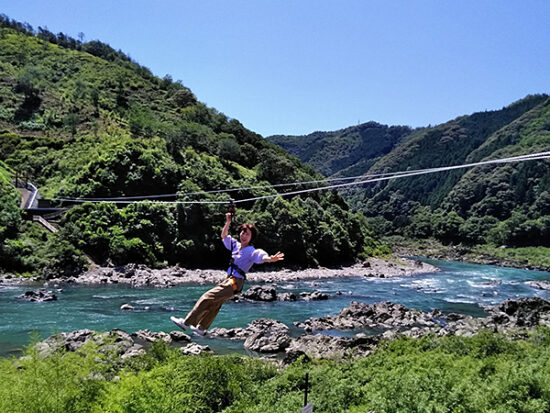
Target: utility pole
x=307 y=385
x=308 y=408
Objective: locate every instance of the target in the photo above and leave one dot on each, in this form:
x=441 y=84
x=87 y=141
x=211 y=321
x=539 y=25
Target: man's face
x=245 y=235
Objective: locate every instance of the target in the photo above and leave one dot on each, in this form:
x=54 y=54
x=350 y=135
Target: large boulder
x=267 y=336
x=464 y=326
x=523 y=312
x=287 y=297
x=268 y=293
x=328 y=347
x=71 y=341
x=151 y=336
x=262 y=335
x=115 y=342
x=229 y=333
x=507 y=317
x=378 y=315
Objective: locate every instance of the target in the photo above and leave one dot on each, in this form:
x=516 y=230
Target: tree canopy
x=85 y=121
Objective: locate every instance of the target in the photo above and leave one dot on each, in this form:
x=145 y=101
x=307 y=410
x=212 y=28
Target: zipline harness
x=233 y=268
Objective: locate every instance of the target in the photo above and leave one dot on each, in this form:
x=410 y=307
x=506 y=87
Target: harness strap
x=236 y=269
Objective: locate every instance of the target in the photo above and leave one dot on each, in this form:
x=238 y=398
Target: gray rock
x=231 y=334
x=543 y=285
x=260 y=293
x=262 y=335
x=292 y=355
x=134 y=351
x=195 y=349
x=179 y=336
x=267 y=336
x=523 y=312
x=361 y=315
x=38 y=296
x=287 y=297
x=314 y=296
x=115 y=343
x=147 y=335
x=268 y=293
x=327 y=347
x=467 y=326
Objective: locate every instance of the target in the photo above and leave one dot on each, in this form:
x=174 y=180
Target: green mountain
x=506 y=204
x=348 y=151
x=84 y=120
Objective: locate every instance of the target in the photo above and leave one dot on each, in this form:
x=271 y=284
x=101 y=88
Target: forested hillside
x=507 y=204
x=503 y=205
x=347 y=152
x=84 y=120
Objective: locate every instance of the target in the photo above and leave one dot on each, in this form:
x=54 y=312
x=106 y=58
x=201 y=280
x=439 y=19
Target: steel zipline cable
x=359 y=180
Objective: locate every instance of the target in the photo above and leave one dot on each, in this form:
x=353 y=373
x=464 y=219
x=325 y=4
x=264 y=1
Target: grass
x=531 y=257
x=538 y=257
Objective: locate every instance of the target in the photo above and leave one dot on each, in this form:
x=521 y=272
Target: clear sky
x=298 y=66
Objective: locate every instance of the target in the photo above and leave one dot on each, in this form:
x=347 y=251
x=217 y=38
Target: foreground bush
x=486 y=373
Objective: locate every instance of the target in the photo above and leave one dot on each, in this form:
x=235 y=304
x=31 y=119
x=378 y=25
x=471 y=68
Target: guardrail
x=44 y=223
x=32 y=198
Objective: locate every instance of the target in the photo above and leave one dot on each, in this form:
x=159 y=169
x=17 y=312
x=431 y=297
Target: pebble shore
x=140 y=275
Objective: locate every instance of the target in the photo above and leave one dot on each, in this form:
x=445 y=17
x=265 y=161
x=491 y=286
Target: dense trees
x=347 y=151
x=101 y=126
x=505 y=204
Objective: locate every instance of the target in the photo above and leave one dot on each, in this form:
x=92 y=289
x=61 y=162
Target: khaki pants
x=207 y=307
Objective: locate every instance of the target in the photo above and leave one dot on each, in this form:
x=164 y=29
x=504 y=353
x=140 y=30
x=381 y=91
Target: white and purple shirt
x=243 y=258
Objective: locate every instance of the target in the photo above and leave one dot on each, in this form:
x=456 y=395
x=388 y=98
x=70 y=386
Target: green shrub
x=62 y=259
x=185 y=384
x=485 y=373
x=63 y=382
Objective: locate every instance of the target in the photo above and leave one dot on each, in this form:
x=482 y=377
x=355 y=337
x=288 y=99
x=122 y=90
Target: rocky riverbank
x=475 y=255
x=139 y=275
x=269 y=337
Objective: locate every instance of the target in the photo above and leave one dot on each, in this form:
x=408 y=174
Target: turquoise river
x=458 y=287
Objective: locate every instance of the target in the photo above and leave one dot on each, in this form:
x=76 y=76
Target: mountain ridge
x=318 y=147
x=440 y=205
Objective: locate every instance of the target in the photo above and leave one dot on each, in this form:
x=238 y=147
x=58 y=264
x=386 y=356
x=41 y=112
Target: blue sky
x=294 y=67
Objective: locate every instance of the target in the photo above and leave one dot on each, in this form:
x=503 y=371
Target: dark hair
x=252 y=228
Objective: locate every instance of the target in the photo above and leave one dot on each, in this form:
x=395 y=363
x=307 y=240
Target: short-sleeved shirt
x=243 y=258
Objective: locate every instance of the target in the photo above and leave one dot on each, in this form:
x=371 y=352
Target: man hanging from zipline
x=243 y=256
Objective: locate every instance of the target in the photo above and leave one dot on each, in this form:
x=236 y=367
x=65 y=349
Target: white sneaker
x=197 y=331
x=180 y=322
